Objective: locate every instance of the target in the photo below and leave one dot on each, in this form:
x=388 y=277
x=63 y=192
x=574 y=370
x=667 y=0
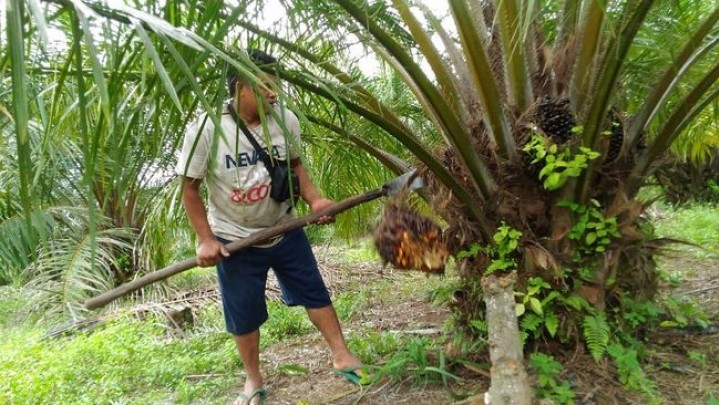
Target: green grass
x=371 y=347
x=283 y=323
x=349 y=304
x=131 y=361
x=124 y=360
x=319 y=234
x=12 y=307
x=697 y=224
x=127 y=360
x=192 y=278
x=361 y=251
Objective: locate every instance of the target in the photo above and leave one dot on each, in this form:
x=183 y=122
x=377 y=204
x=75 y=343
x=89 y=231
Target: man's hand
x=320 y=204
x=210 y=252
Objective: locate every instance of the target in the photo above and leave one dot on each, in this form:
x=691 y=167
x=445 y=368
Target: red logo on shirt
x=253 y=195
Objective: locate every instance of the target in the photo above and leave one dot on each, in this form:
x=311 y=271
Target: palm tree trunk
x=509 y=379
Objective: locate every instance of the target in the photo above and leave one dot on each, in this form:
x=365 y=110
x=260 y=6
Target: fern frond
x=532 y=323
x=551 y=323
x=479 y=325
x=596 y=334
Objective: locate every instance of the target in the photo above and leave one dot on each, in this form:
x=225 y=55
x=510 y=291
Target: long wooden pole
x=254 y=239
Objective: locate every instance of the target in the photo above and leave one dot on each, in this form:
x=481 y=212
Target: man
x=239 y=205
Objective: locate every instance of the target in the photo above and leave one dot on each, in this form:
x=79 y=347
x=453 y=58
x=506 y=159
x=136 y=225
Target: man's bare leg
x=248 y=346
x=325 y=319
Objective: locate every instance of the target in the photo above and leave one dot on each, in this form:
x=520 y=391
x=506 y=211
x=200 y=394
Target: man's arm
x=210 y=250
x=310 y=194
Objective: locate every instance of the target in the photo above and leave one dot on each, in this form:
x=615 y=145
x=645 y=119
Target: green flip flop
x=351 y=375
x=261 y=393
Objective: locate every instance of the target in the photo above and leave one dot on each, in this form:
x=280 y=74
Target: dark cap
x=260 y=58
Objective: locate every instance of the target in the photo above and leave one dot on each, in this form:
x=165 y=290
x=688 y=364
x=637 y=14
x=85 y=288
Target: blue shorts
x=243 y=277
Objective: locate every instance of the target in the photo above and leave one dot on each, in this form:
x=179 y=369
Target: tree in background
x=94 y=103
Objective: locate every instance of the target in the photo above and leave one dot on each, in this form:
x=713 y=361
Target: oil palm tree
x=547 y=112
x=89 y=144
x=537 y=105
x=552 y=123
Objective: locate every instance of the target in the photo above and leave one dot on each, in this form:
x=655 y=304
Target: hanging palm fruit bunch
x=409 y=240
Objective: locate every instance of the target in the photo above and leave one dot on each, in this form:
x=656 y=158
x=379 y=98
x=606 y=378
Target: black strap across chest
x=260 y=151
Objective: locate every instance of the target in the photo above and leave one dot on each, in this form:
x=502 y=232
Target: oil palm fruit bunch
x=555 y=119
x=409 y=240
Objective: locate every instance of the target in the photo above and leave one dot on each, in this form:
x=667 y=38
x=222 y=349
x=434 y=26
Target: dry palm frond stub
x=410 y=241
x=616 y=139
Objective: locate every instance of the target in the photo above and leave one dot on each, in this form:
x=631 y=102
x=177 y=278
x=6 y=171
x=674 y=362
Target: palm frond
x=392 y=162
x=484 y=80
x=513 y=33
x=615 y=57
x=670 y=78
x=683 y=114
x=21 y=114
x=406 y=139
x=161 y=71
x=462 y=80
x=70 y=270
x=441 y=70
x=19 y=244
x=83 y=13
x=592 y=17
x=448 y=120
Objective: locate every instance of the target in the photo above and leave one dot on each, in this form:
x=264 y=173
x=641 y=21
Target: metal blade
x=411 y=180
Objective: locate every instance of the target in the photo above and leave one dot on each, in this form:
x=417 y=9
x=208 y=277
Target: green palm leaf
x=20 y=102
x=448 y=120
x=484 y=80
x=668 y=81
x=68 y=271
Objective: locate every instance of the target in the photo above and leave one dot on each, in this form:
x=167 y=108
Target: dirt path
x=320 y=386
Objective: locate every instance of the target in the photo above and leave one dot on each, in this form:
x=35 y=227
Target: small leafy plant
x=684 y=312
x=541 y=309
x=630 y=371
x=536 y=285
x=558 y=165
x=416 y=359
x=591 y=229
x=507 y=240
x=472 y=251
x=549 y=386
x=284 y=322
x=371 y=346
x=636 y=313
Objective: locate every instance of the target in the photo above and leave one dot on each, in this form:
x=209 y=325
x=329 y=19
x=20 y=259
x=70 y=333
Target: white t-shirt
x=237 y=181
